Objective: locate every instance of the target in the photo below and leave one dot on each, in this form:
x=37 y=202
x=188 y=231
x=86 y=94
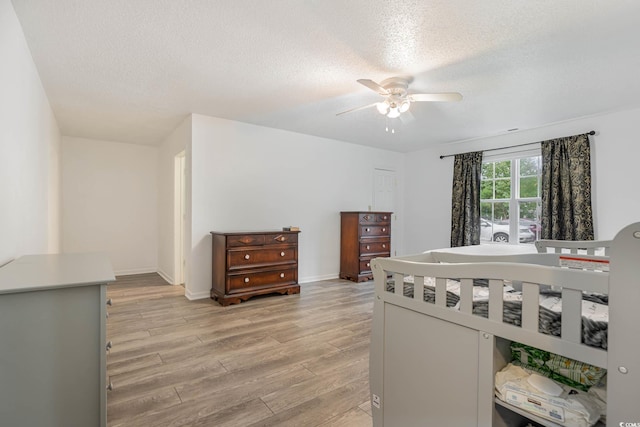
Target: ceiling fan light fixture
x=394 y=112
x=404 y=106
x=383 y=107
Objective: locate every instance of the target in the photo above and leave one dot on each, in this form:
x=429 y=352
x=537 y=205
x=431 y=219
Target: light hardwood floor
x=282 y=360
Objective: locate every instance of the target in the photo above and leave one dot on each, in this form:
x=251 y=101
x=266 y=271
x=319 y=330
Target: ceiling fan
x=396 y=97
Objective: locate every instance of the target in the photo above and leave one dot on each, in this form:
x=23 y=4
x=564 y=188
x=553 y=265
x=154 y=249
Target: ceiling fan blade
x=450 y=96
x=373 y=86
x=357 y=109
x=407 y=117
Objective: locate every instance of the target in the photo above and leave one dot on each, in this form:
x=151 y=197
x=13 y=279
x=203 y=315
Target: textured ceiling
x=131 y=70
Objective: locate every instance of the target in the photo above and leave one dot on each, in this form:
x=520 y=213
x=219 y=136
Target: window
x=510 y=188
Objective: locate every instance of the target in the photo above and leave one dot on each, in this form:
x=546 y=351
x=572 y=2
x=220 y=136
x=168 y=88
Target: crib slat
x=441 y=292
x=398 y=280
x=418 y=288
x=496 y=290
x=530 y=306
x=571 y=315
x=466 y=296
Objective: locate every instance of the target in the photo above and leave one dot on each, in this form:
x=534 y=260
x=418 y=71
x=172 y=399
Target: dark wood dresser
x=363 y=236
x=246 y=264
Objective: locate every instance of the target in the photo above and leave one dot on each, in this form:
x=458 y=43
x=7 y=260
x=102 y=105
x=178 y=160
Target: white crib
x=433 y=365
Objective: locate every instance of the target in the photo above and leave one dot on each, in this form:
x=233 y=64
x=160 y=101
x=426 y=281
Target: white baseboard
x=318 y=278
x=167 y=278
x=191 y=296
x=132 y=271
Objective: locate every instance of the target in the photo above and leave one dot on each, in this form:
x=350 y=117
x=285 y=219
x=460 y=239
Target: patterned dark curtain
x=465 y=201
x=566 y=189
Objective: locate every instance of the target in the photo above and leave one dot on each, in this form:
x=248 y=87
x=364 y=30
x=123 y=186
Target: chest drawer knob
x=368 y=264
x=247 y=256
x=384 y=229
x=384 y=217
x=246 y=280
x=282 y=253
x=282 y=238
x=368 y=247
x=110 y=302
x=282 y=275
x=367 y=229
x=384 y=245
x=109 y=345
x=110 y=386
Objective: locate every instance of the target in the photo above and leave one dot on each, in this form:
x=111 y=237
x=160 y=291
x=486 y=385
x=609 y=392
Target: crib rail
x=530 y=278
x=584 y=247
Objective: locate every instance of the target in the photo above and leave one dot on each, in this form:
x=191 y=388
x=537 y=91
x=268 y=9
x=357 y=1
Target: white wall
x=110 y=202
x=178 y=141
x=29 y=146
x=249 y=177
x=614 y=154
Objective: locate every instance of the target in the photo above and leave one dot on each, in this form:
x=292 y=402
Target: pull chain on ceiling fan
x=397 y=99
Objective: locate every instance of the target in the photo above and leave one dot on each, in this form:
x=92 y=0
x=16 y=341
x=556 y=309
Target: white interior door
x=384 y=199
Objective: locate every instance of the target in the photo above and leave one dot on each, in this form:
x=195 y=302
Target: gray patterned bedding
x=595 y=314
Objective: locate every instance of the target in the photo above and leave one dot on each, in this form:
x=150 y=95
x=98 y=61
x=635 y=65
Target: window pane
x=503 y=189
x=529 y=221
x=487 y=171
x=503 y=169
x=529 y=166
x=501 y=211
x=486 y=210
x=529 y=186
x=486 y=190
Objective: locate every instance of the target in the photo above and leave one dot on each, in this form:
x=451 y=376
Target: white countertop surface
x=39 y=272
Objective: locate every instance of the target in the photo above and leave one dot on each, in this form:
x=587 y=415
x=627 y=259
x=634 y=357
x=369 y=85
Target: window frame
x=514 y=200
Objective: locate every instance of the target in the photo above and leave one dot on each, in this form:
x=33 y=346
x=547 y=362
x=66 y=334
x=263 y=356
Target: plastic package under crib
x=571 y=408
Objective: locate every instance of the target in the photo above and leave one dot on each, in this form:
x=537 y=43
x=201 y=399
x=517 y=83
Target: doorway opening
x=178 y=217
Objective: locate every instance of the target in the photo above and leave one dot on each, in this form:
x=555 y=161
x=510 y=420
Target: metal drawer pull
x=282 y=253
x=110 y=386
x=247 y=256
x=246 y=280
x=282 y=275
x=109 y=345
x=110 y=302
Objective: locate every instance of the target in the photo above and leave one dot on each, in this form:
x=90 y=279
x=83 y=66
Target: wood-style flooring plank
x=279 y=360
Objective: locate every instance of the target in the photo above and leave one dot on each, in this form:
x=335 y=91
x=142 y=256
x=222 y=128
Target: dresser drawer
x=246 y=280
x=365 y=265
x=374 y=230
x=278 y=239
x=375 y=247
x=255 y=257
x=374 y=218
x=245 y=240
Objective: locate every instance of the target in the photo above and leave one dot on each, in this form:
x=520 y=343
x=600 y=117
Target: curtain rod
x=593 y=132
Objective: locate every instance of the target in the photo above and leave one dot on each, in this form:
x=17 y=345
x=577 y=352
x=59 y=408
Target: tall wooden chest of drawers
x=363 y=236
x=246 y=264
